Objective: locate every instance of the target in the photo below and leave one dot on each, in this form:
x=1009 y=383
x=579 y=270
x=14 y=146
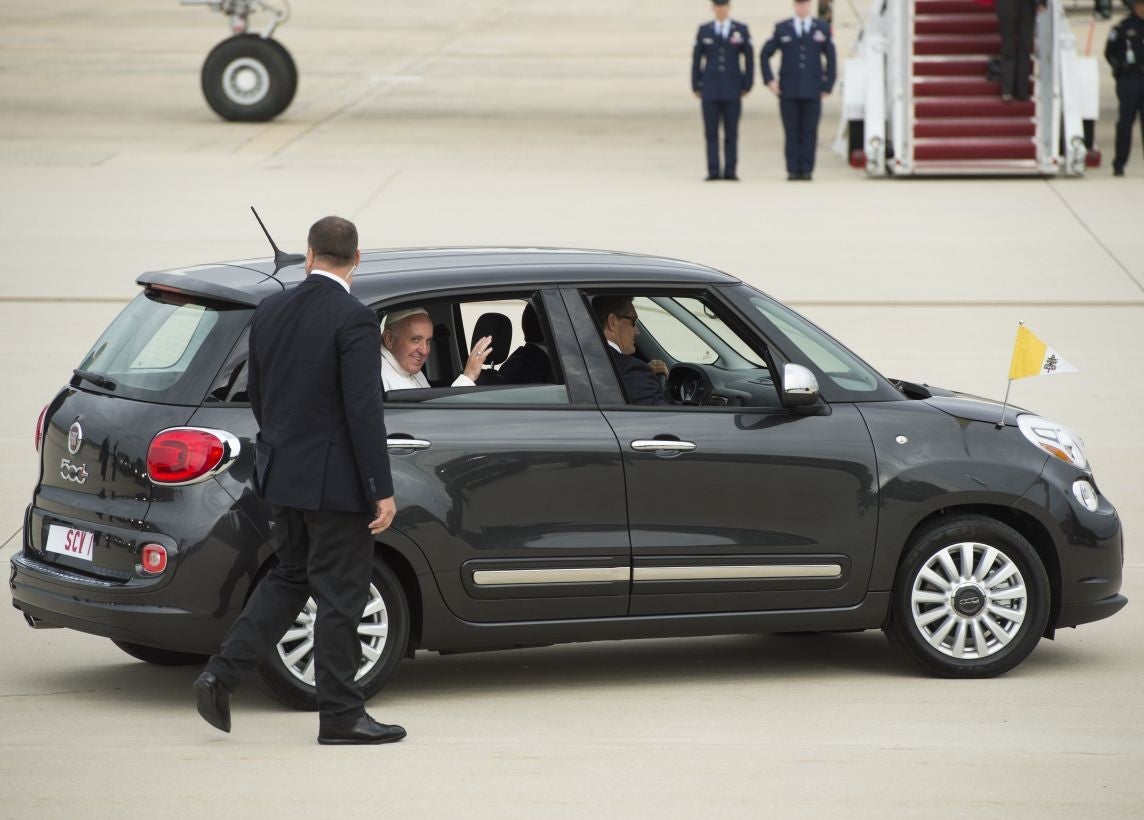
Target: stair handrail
x=1059 y=120
x=899 y=85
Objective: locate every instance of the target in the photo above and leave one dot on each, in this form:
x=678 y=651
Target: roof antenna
x=281 y=258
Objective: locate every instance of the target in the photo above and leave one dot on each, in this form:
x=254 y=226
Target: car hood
x=973 y=408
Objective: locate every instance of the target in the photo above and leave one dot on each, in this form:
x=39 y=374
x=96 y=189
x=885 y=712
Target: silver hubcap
x=296 y=649
x=969 y=600
x=245 y=81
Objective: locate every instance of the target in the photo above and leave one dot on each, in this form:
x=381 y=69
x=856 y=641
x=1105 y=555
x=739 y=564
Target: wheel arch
x=1027 y=525
x=407 y=577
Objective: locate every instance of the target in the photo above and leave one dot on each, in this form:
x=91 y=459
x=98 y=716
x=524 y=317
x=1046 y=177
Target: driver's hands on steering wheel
x=659 y=367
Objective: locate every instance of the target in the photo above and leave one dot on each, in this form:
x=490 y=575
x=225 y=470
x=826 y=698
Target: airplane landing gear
x=248 y=77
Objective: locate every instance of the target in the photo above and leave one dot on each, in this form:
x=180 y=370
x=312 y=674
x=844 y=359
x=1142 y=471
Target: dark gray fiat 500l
x=786 y=487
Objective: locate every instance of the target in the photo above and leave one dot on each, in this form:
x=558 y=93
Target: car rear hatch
x=149 y=371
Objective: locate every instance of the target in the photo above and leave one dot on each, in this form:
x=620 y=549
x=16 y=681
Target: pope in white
x=406 y=341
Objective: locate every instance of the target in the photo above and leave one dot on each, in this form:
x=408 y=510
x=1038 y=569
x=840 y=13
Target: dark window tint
x=165 y=347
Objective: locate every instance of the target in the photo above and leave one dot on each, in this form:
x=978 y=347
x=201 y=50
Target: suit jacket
x=527 y=365
x=315 y=387
x=722 y=69
x=640 y=382
x=802 y=75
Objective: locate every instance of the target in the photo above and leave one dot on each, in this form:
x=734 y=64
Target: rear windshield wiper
x=95 y=378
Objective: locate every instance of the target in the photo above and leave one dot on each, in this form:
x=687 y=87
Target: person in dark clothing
x=528 y=364
x=641 y=380
x=722 y=72
x=1016 y=21
x=1125 y=53
x=806 y=75
x=320 y=461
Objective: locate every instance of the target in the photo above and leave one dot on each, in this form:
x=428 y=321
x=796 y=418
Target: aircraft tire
x=247 y=78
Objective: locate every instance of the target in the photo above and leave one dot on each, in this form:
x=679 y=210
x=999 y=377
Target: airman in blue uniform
x=806 y=75
x=722 y=72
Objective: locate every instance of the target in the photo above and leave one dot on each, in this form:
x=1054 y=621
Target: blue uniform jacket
x=801 y=75
x=722 y=69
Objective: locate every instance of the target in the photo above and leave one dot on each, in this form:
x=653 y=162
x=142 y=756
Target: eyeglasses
x=631 y=317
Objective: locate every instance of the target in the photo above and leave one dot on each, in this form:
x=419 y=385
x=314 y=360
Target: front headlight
x=1054 y=439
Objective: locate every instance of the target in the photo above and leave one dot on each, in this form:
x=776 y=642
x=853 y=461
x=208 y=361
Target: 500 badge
x=73 y=472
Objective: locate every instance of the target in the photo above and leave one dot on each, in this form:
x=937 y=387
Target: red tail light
x=153 y=560
x=182 y=455
x=40 y=428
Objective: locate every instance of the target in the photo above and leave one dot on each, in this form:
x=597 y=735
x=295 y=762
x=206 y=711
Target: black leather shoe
x=804 y=177
x=362 y=732
x=213 y=701
x=712 y=178
x=792 y=177
x=1117 y=172
x=731 y=178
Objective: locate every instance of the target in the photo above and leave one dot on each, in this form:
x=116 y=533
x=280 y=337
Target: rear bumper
x=41 y=591
x=1076 y=614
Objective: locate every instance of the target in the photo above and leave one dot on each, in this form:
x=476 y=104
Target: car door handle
x=663 y=445
x=407 y=444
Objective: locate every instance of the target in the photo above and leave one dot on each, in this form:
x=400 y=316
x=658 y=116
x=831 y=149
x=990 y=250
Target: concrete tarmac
x=545 y=123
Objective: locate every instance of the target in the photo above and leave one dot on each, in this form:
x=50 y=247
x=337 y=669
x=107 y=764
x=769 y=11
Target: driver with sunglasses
x=641 y=380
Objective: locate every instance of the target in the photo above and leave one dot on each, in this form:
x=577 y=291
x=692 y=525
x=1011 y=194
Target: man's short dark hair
x=334 y=240
x=607 y=304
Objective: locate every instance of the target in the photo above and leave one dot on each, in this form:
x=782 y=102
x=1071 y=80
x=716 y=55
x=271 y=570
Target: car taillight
x=153 y=560
x=40 y=428
x=182 y=455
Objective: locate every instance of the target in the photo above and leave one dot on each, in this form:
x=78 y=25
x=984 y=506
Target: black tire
x=264 y=64
x=160 y=657
x=985 y=650
x=284 y=686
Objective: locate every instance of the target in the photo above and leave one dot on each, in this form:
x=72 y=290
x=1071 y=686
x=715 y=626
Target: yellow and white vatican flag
x=1032 y=357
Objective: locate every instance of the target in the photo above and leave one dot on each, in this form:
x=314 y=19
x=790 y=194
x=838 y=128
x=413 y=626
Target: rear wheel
x=160 y=657
x=288 y=674
x=971 y=599
x=247 y=78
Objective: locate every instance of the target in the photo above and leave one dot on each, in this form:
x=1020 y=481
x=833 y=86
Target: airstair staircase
x=917 y=100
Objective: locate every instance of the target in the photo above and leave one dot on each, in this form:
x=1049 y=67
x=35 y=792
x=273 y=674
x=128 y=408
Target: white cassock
x=393 y=377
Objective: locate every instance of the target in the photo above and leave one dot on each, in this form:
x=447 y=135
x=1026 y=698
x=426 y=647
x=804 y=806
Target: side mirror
x=800 y=387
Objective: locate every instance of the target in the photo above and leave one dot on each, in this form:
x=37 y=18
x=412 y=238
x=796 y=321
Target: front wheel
x=288 y=674
x=971 y=599
x=248 y=78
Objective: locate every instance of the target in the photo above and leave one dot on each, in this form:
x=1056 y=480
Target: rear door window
x=165 y=347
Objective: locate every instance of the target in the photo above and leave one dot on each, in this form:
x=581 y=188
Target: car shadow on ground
x=709 y=661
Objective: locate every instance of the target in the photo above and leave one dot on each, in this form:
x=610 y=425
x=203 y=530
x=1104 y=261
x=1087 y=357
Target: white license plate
x=68 y=541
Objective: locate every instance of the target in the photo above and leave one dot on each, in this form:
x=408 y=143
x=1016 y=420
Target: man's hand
x=386 y=509
x=773 y=85
x=698 y=95
x=477 y=356
x=825 y=94
x=658 y=367
x=745 y=92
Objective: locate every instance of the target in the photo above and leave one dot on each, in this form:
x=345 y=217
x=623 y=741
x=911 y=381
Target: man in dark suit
x=722 y=72
x=321 y=462
x=528 y=364
x=806 y=76
x=617 y=317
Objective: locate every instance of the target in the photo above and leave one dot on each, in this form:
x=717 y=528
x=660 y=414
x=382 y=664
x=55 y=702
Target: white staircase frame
x=878 y=89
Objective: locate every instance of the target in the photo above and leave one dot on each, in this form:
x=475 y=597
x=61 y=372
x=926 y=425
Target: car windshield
x=165 y=347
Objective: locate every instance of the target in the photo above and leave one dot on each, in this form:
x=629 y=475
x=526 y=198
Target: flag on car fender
x=1032 y=357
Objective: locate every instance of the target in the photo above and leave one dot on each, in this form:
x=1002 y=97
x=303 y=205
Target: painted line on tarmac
x=1095 y=238
x=10 y=538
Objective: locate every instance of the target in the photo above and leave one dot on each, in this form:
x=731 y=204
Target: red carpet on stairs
x=959 y=117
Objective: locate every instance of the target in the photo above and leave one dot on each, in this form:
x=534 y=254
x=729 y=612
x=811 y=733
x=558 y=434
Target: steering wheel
x=688 y=384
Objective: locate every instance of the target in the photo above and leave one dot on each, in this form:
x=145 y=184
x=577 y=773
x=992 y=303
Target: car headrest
x=499 y=327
